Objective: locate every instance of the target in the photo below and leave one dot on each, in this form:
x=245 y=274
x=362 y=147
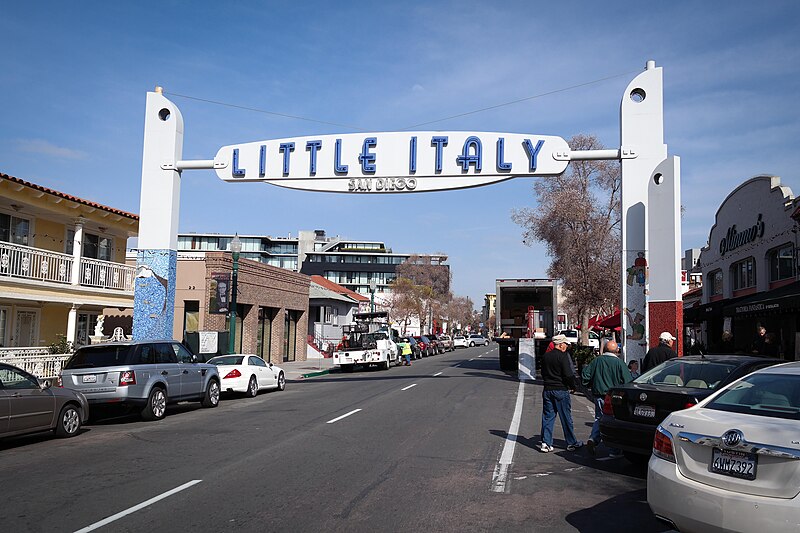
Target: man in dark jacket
x=559 y=381
x=658 y=354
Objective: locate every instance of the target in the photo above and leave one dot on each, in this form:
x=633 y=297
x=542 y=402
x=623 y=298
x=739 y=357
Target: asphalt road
x=409 y=449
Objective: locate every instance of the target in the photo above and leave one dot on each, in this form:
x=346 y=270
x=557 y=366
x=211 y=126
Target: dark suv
x=145 y=374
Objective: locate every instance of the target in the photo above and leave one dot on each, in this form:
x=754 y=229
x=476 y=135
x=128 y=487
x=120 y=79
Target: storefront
x=749 y=269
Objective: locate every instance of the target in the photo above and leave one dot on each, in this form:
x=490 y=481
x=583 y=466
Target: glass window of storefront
x=743 y=274
x=781 y=263
x=715 y=283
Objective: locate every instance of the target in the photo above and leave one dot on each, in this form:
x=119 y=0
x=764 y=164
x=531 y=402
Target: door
x=191 y=372
x=5 y=410
x=266 y=377
x=167 y=367
x=30 y=407
x=26 y=331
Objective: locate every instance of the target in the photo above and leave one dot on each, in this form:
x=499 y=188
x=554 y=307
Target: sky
x=75 y=78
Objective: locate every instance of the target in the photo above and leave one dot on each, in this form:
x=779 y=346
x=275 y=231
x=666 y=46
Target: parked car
x=475 y=340
x=145 y=374
x=31 y=405
x=416 y=351
x=460 y=341
x=732 y=462
x=446 y=342
x=632 y=412
x=248 y=374
x=437 y=343
x=574 y=336
x=425 y=345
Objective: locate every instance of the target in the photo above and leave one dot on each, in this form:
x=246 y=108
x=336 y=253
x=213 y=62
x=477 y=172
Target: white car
x=574 y=336
x=460 y=341
x=732 y=462
x=248 y=374
x=475 y=340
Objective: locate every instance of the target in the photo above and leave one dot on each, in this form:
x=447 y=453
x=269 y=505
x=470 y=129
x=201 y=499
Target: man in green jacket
x=603 y=373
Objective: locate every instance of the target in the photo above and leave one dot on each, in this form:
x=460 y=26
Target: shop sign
x=756 y=307
x=734 y=239
x=393 y=162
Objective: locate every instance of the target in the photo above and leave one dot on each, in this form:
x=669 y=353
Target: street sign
x=394 y=162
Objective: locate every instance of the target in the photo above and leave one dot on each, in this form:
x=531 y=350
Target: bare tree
x=578 y=220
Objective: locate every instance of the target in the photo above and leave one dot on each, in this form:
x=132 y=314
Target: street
x=409 y=449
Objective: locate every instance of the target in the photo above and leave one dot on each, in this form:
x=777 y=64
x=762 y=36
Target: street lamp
x=236 y=247
x=373 y=284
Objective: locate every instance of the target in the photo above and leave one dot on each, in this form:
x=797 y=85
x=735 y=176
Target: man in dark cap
x=559 y=381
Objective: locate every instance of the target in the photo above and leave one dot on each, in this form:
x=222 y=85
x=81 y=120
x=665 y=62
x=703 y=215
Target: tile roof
x=68 y=196
x=335 y=287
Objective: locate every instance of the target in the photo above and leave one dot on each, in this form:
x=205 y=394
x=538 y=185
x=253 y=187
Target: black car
x=631 y=412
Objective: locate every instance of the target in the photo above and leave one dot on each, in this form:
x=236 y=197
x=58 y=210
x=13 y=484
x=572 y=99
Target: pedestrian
x=760 y=340
x=633 y=368
x=770 y=346
x=603 y=373
x=658 y=354
x=559 y=382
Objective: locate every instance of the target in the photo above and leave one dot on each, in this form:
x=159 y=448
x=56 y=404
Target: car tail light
x=233 y=374
x=127 y=377
x=607 y=409
x=662 y=445
x=59 y=381
x=689 y=404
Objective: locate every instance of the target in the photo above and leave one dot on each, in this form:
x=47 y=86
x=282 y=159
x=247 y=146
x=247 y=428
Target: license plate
x=646 y=411
x=734 y=463
x=90 y=379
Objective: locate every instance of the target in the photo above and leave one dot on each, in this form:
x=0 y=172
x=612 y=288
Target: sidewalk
x=306 y=369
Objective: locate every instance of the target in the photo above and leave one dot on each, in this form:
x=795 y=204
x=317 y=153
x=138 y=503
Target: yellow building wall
x=53 y=323
x=49 y=235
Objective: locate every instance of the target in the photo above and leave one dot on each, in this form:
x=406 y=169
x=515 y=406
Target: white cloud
x=40 y=146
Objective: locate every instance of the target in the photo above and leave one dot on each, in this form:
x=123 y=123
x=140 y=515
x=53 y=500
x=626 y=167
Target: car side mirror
x=194 y=359
x=270 y=365
x=46 y=384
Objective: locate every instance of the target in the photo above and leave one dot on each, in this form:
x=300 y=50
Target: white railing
x=42 y=366
x=33 y=263
x=105 y=274
x=24 y=262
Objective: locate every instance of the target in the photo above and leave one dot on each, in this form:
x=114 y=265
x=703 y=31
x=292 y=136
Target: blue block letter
x=465 y=159
x=286 y=148
x=237 y=172
x=532 y=152
x=367 y=158
x=313 y=147
x=412 y=155
x=501 y=164
x=337 y=158
x=439 y=142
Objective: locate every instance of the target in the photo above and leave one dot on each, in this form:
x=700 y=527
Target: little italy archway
x=421 y=161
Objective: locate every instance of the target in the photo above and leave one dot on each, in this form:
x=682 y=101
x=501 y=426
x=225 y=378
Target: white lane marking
x=607 y=458
x=472 y=359
x=354 y=411
x=481 y=355
x=438 y=374
x=590 y=408
x=542 y=475
x=501 y=472
x=412 y=385
x=142 y=505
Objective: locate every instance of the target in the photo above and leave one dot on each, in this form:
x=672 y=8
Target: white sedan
x=475 y=340
x=460 y=341
x=732 y=462
x=248 y=374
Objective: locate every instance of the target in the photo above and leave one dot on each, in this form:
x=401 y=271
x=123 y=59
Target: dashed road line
x=354 y=411
x=438 y=374
x=501 y=472
x=135 y=508
x=412 y=385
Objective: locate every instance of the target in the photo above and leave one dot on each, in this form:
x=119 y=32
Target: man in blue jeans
x=559 y=381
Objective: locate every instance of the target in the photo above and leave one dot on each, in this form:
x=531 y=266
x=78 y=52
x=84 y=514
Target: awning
x=781 y=300
x=611 y=322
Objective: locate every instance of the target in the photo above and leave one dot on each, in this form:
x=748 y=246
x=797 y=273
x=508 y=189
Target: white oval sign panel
x=393 y=162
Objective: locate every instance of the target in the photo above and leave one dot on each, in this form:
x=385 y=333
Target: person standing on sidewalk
x=559 y=381
x=603 y=373
x=658 y=354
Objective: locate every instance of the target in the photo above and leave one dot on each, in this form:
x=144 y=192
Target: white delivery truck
x=368 y=341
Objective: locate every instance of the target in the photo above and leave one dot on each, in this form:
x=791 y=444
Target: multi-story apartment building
x=62 y=261
x=351 y=263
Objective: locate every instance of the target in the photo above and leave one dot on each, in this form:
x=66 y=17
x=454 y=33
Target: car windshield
x=97 y=356
x=770 y=395
x=696 y=374
x=226 y=360
x=569 y=333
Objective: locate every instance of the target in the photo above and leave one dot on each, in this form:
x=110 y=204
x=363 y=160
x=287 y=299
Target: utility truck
x=368 y=341
x=525 y=308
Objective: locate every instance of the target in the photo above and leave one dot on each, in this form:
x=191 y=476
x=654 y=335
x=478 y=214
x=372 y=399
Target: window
x=743 y=274
x=769 y=395
x=94 y=246
x=331 y=313
x=191 y=315
x=715 y=283
x=14 y=229
x=781 y=263
x=3 y=326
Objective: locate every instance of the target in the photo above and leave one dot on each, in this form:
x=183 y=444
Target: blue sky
x=75 y=77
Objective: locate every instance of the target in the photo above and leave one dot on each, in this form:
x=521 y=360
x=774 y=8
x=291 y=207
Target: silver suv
x=145 y=374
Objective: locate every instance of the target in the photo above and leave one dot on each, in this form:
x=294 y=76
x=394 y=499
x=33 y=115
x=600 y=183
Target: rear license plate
x=90 y=379
x=647 y=411
x=734 y=463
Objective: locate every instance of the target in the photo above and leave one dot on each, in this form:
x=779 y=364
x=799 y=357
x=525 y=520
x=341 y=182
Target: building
x=330 y=307
x=62 y=261
x=749 y=271
x=351 y=263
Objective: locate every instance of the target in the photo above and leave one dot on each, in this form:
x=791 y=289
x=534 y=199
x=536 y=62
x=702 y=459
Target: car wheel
x=472 y=344
x=282 y=381
x=211 y=398
x=385 y=365
x=69 y=421
x=156 y=406
x=252 y=388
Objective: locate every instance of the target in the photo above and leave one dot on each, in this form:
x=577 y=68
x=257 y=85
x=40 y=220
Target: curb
x=315 y=374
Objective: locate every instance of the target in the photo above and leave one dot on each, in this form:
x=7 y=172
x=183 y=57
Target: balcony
x=34 y=264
